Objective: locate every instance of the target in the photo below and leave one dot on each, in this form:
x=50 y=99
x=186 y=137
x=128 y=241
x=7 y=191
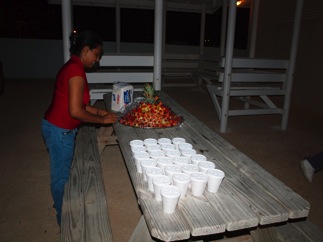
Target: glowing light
x=239 y=3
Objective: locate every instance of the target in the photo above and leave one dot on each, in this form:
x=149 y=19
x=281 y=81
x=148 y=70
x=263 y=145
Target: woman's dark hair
x=79 y=40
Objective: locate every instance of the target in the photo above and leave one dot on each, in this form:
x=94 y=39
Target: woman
x=69 y=108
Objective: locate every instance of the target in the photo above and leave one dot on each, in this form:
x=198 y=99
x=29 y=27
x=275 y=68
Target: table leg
x=106 y=136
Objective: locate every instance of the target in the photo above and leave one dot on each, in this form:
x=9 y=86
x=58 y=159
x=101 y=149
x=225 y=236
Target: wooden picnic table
x=248 y=197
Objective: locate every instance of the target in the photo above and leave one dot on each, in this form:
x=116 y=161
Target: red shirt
x=58 y=113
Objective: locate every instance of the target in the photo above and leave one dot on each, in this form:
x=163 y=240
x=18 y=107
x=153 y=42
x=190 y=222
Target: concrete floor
x=25 y=200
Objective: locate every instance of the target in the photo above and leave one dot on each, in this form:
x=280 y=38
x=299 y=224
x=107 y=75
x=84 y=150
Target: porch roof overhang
x=193 y=6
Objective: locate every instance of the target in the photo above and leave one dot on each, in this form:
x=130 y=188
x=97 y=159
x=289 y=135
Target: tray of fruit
x=151 y=113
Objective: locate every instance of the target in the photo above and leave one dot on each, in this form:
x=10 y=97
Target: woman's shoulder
x=70 y=69
x=74 y=66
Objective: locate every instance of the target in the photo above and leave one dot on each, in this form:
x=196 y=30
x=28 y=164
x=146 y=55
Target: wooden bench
x=252 y=77
x=85 y=211
x=292 y=231
x=208 y=69
x=253 y=82
x=132 y=69
x=177 y=66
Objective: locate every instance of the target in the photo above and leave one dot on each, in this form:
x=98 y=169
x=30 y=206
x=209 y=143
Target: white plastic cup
x=150 y=173
x=215 y=178
x=182 y=181
x=173 y=153
x=138 y=158
x=164 y=161
x=198 y=183
x=158 y=182
x=188 y=152
x=177 y=140
x=171 y=169
x=153 y=147
x=170 y=195
x=136 y=142
x=147 y=164
x=206 y=165
x=167 y=147
x=162 y=141
x=155 y=154
x=195 y=159
x=181 y=160
x=183 y=146
x=150 y=141
x=138 y=149
x=190 y=168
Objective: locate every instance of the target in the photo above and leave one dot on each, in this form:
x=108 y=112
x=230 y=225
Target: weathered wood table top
x=249 y=196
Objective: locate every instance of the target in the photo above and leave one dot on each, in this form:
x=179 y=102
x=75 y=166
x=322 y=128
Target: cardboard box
x=122 y=95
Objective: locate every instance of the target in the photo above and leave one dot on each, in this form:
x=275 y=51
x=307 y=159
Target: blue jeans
x=60 y=146
x=316 y=161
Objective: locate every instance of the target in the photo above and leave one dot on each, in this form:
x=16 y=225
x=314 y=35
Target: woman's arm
x=96 y=111
x=76 y=109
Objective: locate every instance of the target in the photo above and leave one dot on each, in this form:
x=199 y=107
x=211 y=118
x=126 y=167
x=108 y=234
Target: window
x=213 y=28
x=36 y=19
x=183 y=28
x=137 y=25
x=98 y=19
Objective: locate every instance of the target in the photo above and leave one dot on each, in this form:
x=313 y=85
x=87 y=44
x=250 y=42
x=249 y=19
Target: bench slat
x=299 y=231
x=170 y=56
x=126 y=60
x=288 y=232
x=183 y=65
x=256 y=63
x=179 y=66
x=85 y=211
x=130 y=77
x=254 y=77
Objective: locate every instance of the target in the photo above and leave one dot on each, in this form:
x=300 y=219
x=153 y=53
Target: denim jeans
x=316 y=161
x=60 y=146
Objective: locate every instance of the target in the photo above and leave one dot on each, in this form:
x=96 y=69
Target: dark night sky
x=36 y=19
x=29 y=19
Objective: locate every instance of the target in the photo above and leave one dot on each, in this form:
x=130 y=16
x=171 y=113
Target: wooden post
x=1 y=79
x=228 y=66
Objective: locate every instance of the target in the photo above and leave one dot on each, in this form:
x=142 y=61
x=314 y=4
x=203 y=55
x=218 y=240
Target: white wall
x=30 y=58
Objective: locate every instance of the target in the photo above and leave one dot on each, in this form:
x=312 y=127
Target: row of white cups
x=171 y=166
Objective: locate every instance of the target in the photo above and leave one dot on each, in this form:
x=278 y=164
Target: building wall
x=35 y=58
x=23 y=58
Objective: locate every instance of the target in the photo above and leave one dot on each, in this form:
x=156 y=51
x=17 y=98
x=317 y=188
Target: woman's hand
x=109 y=118
x=102 y=112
